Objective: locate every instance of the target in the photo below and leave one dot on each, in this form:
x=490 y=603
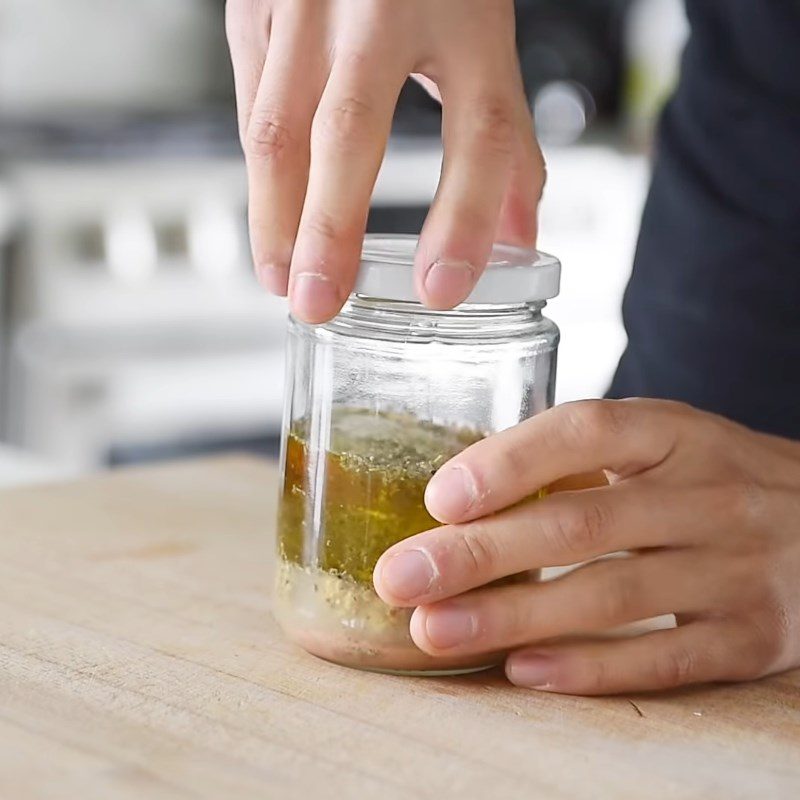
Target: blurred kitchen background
x=131 y=328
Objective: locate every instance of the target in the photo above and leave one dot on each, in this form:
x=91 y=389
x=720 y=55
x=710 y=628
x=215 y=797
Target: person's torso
x=713 y=307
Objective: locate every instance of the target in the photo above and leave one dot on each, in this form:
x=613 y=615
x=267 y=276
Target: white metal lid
x=513 y=274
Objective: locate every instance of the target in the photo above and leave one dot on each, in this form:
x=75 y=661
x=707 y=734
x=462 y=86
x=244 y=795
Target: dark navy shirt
x=712 y=310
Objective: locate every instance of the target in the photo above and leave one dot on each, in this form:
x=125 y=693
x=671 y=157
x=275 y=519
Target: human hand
x=317 y=82
x=708 y=510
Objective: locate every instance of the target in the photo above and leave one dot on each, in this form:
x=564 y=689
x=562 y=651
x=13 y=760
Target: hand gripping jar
x=377 y=400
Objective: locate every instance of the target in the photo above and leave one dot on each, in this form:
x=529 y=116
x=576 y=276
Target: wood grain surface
x=138 y=659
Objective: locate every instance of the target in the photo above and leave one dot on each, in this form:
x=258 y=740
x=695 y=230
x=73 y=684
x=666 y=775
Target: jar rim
x=512 y=275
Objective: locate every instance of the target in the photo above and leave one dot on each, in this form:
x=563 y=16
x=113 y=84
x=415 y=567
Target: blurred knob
x=130 y=246
x=214 y=240
x=561 y=110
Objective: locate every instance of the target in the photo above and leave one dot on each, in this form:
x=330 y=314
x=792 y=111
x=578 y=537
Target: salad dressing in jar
x=377 y=400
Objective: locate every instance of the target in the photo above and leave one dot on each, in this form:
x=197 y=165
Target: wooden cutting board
x=138 y=660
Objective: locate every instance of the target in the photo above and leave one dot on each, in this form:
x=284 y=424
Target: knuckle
x=585 y=421
x=676 y=667
x=346 y=124
x=515 y=622
x=758 y=654
x=325 y=226
x=516 y=461
x=267 y=137
x=596 y=521
x=612 y=416
x=594 y=676
x=494 y=125
x=720 y=434
x=357 y=61
x=475 y=218
x=770 y=640
x=747 y=501
x=580 y=533
x=761 y=660
x=784 y=625
x=621 y=595
x=566 y=429
x=541 y=163
x=478 y=550
x=676 y=407
x=779 y=635
x=541 y=166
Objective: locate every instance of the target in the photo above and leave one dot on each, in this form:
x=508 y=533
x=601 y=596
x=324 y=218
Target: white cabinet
x=590 y=219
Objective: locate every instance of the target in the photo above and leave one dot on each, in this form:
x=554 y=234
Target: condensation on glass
x=377 y=400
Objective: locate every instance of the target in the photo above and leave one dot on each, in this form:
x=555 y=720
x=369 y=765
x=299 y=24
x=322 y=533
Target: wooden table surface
x=138 y=659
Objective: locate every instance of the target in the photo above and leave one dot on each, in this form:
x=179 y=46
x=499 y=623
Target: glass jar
x=377 y=400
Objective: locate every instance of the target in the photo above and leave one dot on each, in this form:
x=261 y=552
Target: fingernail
x=448 y=627
x=448 y=283
x=450 y=493
x=408 y=574
x=314 y=297
x=273 y=278
x=532 y=670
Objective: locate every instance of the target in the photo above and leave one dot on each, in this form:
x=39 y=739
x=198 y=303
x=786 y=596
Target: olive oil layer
x=372 y=479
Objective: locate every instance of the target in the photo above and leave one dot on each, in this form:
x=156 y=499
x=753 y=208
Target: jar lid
x=513 y=274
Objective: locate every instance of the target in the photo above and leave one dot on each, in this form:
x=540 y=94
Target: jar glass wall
x=377 y=400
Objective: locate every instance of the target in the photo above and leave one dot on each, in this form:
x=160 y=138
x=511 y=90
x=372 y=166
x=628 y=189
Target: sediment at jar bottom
x=341 y=620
